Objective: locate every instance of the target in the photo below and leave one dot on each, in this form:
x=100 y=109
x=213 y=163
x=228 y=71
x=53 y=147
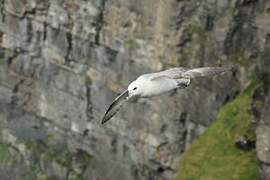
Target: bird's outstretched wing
x=173 y=73
x=115 y=107
x=205 y=71
x=180 y=72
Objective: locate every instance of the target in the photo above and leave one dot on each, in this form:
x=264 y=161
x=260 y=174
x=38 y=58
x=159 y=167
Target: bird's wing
x=180 y=72
x=205 y=71
x=173 y=73
x=115 y=107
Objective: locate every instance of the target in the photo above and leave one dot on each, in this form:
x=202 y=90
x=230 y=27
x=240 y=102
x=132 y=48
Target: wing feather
x=205 y=71
x=180 y=72
x=115 y=106
x=173 y=73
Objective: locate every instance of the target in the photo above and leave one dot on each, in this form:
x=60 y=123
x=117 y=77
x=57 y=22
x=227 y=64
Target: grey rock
x=263 y=143
x=64 y=61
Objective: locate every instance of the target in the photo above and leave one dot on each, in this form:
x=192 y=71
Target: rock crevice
x=63 y=61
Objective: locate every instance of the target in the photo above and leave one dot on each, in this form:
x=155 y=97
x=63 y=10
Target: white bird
x=153 y=84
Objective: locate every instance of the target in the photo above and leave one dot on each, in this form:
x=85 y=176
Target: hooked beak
x=128 y=96
x=131 y=97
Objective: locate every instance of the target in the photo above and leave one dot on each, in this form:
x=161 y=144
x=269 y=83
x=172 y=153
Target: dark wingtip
x=103 y=121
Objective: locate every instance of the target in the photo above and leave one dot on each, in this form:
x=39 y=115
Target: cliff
x=63 y=61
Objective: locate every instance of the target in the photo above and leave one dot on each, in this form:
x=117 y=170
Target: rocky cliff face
x=64 y=61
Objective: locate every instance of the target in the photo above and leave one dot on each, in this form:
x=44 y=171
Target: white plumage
x=153 y=84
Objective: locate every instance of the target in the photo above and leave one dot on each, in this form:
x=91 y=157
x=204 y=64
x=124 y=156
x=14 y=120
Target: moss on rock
x=71 y=163
x=4 y=152
x=214 y=155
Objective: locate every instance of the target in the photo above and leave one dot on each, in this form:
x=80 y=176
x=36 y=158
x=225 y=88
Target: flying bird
x=154 y=84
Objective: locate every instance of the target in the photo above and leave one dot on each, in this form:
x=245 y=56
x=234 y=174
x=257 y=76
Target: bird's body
x=160 y=85
x=154 y=84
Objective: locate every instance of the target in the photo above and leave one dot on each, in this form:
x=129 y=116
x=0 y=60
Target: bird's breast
x=159 y=86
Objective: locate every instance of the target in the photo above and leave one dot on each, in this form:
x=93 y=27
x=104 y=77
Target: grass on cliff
x=4 y=153
x=214 y=156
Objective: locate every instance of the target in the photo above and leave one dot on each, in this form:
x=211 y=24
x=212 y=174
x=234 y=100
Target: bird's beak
x=132 y=97
x=128 y=96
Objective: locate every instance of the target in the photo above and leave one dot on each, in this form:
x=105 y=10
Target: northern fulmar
x=154 y=84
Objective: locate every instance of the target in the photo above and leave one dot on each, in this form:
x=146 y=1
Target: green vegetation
x=214 y=156
x=60 y=155
x=11 y=160
x=132 y=44
x=4 y=153
x=41 y=158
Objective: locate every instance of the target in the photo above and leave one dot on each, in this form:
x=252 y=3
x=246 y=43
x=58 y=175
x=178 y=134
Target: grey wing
x=173 y=73
x=180 y=72
x=115 y=106
x=205 y=71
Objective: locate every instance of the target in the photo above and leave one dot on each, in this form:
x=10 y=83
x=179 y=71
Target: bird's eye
x=135 y=88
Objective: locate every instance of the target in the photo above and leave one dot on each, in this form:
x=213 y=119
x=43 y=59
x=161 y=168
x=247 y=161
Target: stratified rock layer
x=64 y=61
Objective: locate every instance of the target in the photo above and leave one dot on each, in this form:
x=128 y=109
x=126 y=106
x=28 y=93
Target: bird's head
x=135 y=88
